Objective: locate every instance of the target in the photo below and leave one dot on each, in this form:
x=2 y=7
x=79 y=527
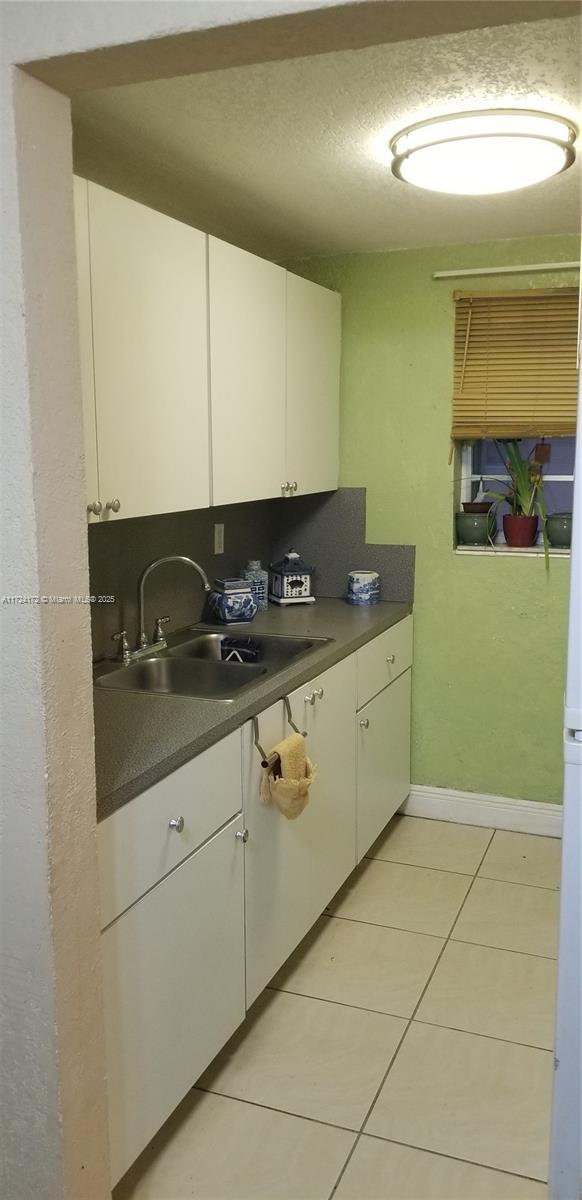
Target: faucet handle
x=158 y=631
x=124 y=646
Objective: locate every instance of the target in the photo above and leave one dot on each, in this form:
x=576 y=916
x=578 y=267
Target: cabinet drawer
x=173 y=988
x=136 y=845
x=384 y=659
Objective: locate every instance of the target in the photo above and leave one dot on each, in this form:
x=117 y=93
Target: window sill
x=512 y=551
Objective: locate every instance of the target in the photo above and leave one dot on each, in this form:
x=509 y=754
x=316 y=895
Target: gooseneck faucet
x=158 y=562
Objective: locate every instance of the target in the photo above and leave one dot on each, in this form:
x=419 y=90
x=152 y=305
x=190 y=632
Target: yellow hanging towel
x=287 y=781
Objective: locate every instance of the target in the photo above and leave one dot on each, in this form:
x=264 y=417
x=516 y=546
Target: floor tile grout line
x=368 y=1111
x=408 y=1025
x=504 y=949
x=440 y=1154
x=377 y=925
x=540 y=887
x=379 y=1012
x=329 y=916
x=287 y=1112
x=396 y=862
x=492 y=1037
x=470 y=889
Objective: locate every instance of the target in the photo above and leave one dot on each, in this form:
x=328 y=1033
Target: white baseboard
x=478 y=808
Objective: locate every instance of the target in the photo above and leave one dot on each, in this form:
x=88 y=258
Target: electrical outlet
x=219 y=539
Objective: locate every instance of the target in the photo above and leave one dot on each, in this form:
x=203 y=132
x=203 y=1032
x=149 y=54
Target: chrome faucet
x=159 y=640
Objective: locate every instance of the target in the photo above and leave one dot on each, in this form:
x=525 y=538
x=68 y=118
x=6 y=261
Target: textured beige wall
x=53 y=1035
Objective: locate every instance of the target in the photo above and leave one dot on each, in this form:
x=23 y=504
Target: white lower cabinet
x=175 y=960
x=174 y=989
x=383 y=728
x=293 y=868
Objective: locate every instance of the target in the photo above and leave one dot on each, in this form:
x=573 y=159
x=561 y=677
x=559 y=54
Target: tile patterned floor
x=402 y=1053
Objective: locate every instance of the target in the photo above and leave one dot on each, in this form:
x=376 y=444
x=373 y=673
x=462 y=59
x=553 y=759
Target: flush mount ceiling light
x=480 y=153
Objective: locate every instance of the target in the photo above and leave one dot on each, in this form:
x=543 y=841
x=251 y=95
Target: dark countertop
x=142 y=737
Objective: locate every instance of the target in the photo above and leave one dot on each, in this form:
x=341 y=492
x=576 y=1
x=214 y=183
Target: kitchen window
x=515 y=377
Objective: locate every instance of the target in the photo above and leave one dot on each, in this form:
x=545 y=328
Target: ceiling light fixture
x=481 y=153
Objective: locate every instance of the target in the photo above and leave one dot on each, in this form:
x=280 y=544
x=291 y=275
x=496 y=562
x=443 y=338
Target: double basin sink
x=208 y=666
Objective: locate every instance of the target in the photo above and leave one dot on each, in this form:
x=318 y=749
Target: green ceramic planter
x=475 y=529
x=559 y=530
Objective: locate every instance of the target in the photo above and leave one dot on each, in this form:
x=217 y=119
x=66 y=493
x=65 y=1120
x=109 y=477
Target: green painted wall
x=490 y=634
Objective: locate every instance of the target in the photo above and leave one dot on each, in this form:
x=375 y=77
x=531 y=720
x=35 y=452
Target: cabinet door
x=313 y=385
x=173 y=990
x=86 y=344
x=383 y=728
x=149 y=291
x=293 y=868
x=247 y=374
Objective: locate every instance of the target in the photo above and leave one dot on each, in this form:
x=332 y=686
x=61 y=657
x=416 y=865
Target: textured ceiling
x=287 y=158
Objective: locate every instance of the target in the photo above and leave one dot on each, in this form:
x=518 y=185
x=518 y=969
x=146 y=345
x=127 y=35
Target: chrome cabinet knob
x=285 y=488
x=113 y=505
x=176 y=823
x=365 y=724
x=96 y=508
x=391 y=658
x=242 y=835
x=293 y=486
x=317 y=694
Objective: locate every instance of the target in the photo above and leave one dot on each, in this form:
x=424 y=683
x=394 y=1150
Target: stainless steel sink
x=274 y=651
x=183 y=677
x=193 y=664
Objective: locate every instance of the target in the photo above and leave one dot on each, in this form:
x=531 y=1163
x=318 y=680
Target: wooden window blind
x=515 y=364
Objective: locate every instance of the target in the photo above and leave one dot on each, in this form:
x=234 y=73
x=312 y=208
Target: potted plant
x=525 y=496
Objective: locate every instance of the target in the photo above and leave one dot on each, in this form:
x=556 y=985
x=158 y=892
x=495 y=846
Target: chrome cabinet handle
x=113 y=505
x=285 y=488
x=242 y=835
x=365 y=724
x=319 y=693
x=293 y=486
x=96 y=508
x=313 y=696
x=176 y=823
x=391 y=658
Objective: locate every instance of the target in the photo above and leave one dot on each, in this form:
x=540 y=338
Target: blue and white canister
x=232 y=601
x=363 y=588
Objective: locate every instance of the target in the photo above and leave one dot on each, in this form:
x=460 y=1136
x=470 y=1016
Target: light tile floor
x=402 y=1053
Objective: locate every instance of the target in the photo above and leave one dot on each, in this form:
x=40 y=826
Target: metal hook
x=264 y=757
x=303 y=732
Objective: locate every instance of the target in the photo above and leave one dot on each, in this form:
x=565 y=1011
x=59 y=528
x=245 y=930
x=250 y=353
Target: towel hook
x=303 y=732
x=264 y=757
x=268 y=760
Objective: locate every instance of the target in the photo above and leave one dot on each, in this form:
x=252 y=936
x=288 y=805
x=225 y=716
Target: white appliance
x=566 y=1139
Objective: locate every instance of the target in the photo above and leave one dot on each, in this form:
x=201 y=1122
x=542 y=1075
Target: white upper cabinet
x=149 y=302
x=313 y=382
x=209 y=375
x=247 y=374
x=86 y=346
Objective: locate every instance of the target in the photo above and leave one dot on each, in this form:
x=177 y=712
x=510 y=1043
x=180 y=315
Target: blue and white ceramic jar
x=363 y=588
x=232 y=601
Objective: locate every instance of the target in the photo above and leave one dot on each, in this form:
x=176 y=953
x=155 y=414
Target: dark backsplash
x=328 y=529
